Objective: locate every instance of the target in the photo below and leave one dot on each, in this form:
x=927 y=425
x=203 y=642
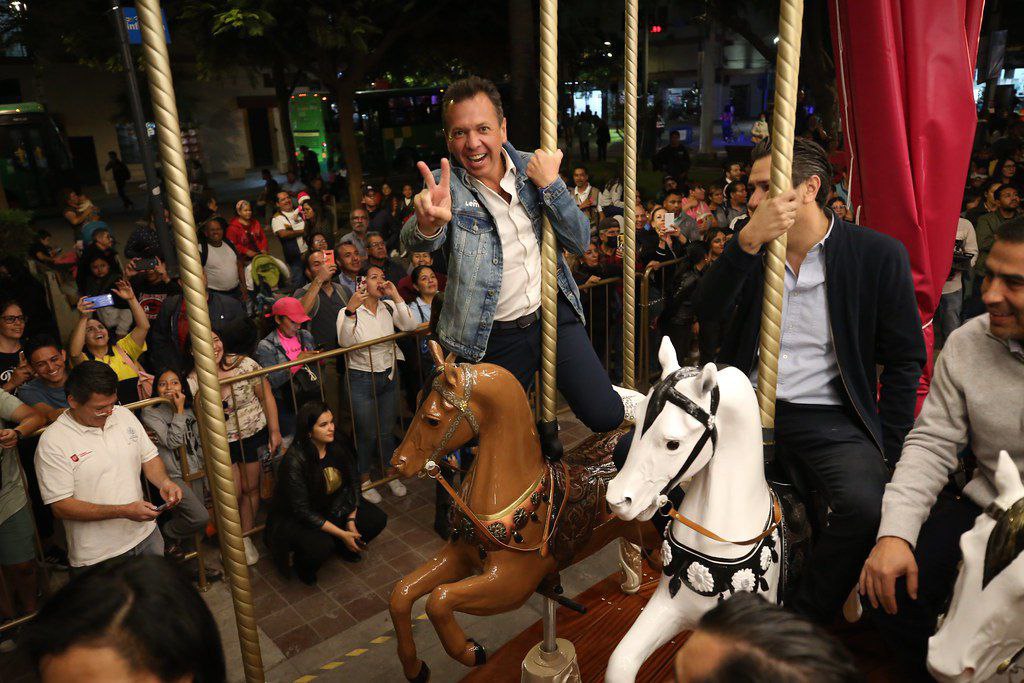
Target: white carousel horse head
x=984 y=627
x=676 y=433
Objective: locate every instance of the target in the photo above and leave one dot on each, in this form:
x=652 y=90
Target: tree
x=257 y=35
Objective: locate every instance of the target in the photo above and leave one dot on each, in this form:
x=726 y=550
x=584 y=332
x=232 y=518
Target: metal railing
x=341 y=405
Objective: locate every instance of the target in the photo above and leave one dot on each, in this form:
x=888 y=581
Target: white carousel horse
x=699 y=429
x=981 y=637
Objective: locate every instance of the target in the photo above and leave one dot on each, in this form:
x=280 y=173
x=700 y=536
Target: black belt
x=519 y=323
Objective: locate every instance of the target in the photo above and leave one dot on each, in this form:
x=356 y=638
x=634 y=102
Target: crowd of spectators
x=324 y=428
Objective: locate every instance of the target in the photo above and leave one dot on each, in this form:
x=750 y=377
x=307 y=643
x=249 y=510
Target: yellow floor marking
x=356 y=652
x=380 y=639
x=331 y=666
x=422 y=617
x=305 y=679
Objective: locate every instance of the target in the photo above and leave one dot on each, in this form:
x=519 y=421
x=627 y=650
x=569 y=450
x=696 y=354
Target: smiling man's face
x=50 y=364
x=1003 y=290
x=475 y=134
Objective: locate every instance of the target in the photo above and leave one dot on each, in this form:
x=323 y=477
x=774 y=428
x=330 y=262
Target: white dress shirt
x=808 y=369
x=520 y=272
x=366 y=325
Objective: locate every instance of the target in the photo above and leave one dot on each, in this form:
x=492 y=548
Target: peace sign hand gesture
x=434 y=202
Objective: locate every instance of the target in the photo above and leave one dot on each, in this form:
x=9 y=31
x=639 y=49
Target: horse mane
x=1005 y=542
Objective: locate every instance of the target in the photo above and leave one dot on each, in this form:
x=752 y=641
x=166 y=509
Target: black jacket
x=164 y=351
x=301 y=493
x=873 y=316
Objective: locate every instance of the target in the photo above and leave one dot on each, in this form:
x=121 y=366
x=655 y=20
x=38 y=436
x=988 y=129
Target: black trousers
x=681 y=337
x=906 y=633
x=581 y=379
x=837 y=456
x=312 y=547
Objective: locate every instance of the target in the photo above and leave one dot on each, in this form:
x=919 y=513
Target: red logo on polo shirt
x=78 y=456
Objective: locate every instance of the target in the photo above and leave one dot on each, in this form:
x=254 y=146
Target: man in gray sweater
x=977 y=401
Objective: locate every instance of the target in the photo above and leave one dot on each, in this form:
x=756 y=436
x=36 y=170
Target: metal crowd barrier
x=186 y=475
x=652 y=299
x=341 y=405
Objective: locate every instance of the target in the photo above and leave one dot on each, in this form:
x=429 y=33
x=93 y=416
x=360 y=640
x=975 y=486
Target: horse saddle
x=590 y=468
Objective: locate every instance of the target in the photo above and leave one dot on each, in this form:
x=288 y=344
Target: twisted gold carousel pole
x=629 y=553
x=629 y=201
x=214 y=436
x=553 y=659
x=787 y=73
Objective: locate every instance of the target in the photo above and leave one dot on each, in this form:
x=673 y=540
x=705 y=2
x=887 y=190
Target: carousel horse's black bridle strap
x=666 y=391
x=776 y=520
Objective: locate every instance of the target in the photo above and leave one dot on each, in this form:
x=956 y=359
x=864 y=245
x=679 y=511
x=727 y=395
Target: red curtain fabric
x=905 y=76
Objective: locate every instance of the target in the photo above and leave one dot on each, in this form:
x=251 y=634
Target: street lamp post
x=153 y=190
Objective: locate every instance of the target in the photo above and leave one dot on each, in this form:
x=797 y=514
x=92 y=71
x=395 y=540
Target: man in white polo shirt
x=88 y=463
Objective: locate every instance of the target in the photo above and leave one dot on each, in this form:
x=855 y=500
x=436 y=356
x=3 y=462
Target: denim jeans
x=375 y=410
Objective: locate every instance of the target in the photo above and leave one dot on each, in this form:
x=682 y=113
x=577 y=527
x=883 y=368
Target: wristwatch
x=350 y=314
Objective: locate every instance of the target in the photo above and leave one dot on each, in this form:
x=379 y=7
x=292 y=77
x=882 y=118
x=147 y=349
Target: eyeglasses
x=12 y=319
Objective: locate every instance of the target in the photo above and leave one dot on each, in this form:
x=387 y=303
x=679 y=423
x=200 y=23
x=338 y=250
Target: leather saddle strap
x=776 y=520
x=485 y=532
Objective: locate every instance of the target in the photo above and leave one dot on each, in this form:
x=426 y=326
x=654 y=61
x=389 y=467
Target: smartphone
x=143 y=264
x=101 y=300
x=670 y=218
x=361 y=543
x=361 y=284
x=161 y=508
x=328 y=257
x=615 y=241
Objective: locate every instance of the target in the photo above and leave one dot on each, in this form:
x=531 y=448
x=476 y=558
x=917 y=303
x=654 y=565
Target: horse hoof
x=479 y=653
x=423 y=676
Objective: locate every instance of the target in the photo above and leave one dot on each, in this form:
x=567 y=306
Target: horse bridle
x=665 y=392
x=433 y=470
x=461 y=404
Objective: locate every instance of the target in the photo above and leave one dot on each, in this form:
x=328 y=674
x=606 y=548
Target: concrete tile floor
x=305 y=628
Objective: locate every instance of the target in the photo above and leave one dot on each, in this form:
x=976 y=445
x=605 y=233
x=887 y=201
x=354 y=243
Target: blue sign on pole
x=131 y=22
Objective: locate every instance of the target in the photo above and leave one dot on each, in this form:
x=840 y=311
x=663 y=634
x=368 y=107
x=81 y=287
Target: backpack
x=266 y=271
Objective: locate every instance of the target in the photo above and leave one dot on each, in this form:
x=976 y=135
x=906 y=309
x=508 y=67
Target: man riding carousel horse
x=489 y=209
x=848 y=308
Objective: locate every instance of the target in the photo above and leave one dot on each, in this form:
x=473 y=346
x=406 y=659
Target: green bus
x=315 y=125
x=399 y=127
x=35 y=162
x=395 y=128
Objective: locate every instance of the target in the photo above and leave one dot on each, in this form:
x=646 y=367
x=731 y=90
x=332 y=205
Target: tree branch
x=398 y=29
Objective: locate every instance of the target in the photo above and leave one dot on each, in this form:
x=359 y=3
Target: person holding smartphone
x=89 y=463
x=316 y=510
x=372 y=379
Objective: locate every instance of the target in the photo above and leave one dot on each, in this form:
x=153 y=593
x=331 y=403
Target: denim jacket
x=269 y=352
x=475 y=264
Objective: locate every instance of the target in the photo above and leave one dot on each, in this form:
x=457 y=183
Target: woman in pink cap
x=246 y=233
x=288 y=341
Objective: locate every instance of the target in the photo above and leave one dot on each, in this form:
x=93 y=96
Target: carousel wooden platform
x=609 y=615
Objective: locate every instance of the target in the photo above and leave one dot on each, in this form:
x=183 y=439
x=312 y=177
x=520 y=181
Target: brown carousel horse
x=518 y=519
